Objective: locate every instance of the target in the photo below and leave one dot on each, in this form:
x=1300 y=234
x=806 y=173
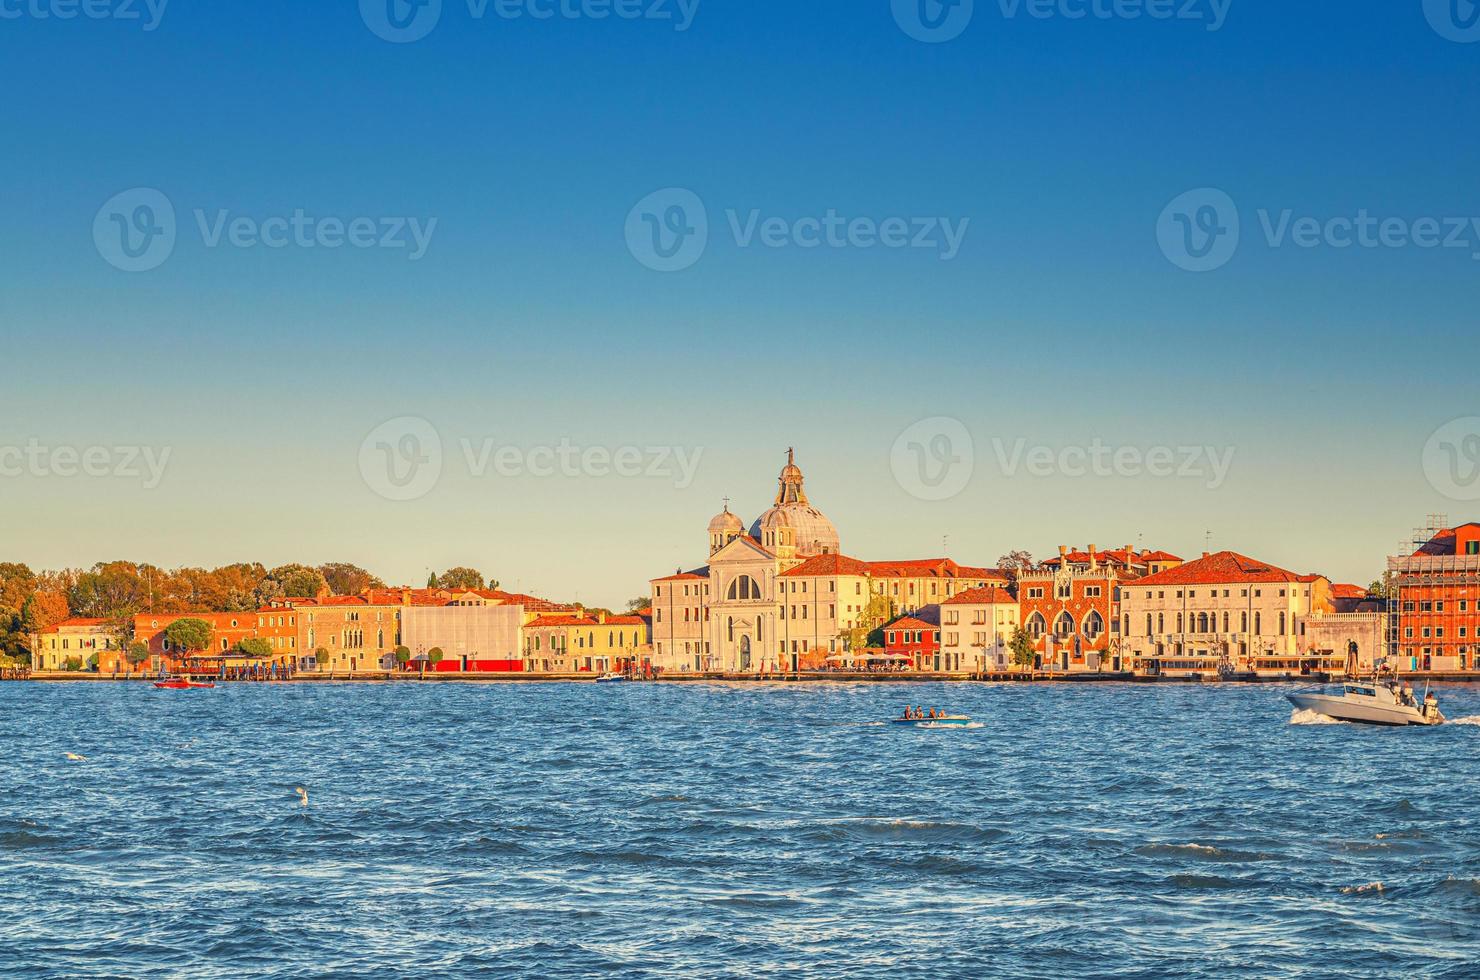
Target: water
x=466 y=830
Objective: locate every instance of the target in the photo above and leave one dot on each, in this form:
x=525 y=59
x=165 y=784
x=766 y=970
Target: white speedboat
x=610 y=678
x=1384 y=702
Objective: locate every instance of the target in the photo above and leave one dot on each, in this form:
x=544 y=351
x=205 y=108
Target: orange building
x=1070 y=605
x=1436 y=591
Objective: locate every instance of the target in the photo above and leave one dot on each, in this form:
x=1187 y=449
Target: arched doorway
x=744 y=653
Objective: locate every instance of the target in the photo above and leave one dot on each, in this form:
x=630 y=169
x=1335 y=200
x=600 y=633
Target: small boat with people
x=921 y=718
x=610 y=678
x=1376 y=702
x=180 y=684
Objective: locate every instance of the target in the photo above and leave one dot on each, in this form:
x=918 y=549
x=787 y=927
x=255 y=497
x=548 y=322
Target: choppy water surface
x=462 y=830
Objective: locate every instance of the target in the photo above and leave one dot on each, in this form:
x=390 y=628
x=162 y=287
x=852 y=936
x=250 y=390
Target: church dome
x=793 y=527
x=725 y=522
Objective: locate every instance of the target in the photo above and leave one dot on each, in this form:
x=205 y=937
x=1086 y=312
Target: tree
x=136 y=654
x=43 y=610
x=435 y=655
x=114 y=590
x=403 y=656
x=256 y=647
x=92 y=662
x=72 y=663
x=868 y=628
x=1013 y=563
x=346 y=579
x=17 y=582
x=1021 y=646
x=638 y=602
x=321 y=657
x=432 y=581
x=189 y=635
x=298 y=581
x=460 y=578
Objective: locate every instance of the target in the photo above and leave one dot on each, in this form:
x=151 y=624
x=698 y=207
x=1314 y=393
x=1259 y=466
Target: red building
x=1070 y=605
x=913 y=638
x=1436 y=592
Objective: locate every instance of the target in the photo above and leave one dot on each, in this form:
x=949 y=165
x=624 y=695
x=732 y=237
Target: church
x=781 y=595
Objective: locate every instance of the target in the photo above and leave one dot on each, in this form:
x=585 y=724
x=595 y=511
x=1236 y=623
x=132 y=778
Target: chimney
x=1063 y=552
x=1091 y=556
x=405 y=596
x=601 y=617
x=1207 y=554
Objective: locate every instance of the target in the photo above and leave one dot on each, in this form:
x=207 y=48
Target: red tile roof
x=910 y=623
x=833 y=564
x=983 y=595
x=1343 y=590
x=931 y=568
x=1224 y=566
x=1119 y=556
x=1443 y=542
x=682 y=575
x=77 y=621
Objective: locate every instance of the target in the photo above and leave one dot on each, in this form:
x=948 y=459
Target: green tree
x=346 y=579
x=321 y=657
x=435 y=655
x=1014 y=563
x=136 y=654
x=432 y=581
x=461 y=578
x=403 y=656
x=298 y=581
x=92 y=662
x=255 y=646
x=1021 y=646
x=638 y=602
x=189 y=635
x=114 y=590
x=72 y=663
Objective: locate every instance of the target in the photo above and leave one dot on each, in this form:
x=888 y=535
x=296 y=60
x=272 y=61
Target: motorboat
x=939 y=721
x=610 y=678
x=1376 y=702
x=180 y=684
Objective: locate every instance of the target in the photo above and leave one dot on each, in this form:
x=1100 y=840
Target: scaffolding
x=1412 y=569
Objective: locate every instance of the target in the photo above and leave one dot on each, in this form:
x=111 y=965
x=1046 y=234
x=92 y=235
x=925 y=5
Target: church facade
x=780 y=595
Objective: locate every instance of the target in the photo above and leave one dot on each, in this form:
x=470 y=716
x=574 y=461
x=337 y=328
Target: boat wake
x=1305 y=716
x=969 y=724
x=1467 y=720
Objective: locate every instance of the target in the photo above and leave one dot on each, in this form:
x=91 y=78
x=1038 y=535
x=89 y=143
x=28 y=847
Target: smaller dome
x=725 y=522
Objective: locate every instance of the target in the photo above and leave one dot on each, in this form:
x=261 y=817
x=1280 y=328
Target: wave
x=1467 y=720
x=1305 y=716
x=1203 y=881
x=933 y=725
x=1372 y=887
x=1202 y=852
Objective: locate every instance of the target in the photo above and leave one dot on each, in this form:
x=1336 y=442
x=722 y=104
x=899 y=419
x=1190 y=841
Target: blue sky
x=1055 y=142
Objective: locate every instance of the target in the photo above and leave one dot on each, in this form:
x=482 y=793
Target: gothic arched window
x=1036 y=625
x=1063 y=627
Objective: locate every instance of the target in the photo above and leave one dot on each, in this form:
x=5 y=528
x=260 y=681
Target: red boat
x=180 y=683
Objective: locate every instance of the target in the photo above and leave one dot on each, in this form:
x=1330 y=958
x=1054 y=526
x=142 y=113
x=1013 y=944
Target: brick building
x=1436 y=601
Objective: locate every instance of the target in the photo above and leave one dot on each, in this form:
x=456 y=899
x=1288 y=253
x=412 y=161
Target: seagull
x=302 y=794
x=76 y=758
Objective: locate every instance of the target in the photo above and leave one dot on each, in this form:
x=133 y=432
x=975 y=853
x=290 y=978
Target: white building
x=976 y=627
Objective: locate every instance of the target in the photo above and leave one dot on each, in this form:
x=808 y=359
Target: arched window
x=1225 y=622
x=1202 y=622
x=1179 y=622
x=730 y=626
x=1257 y=631
x=1093 y=625
x=1282 y=622
x=1148 y=624
x=1036 y=626
x=744 y=587
x=1063 y=627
